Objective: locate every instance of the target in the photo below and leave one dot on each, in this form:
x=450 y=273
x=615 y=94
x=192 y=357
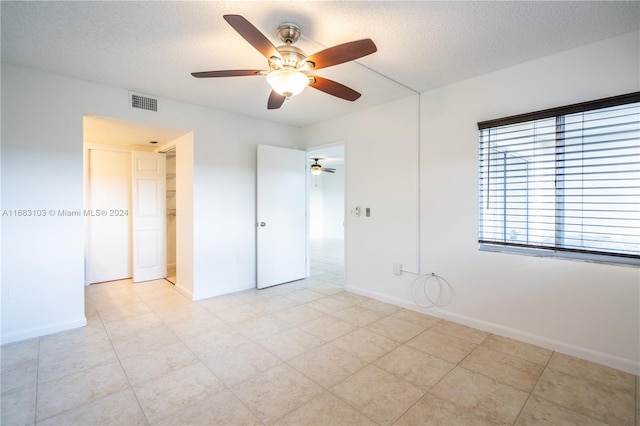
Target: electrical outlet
x=355 y=211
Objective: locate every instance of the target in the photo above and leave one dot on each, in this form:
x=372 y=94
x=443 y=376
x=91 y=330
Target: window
x=564 y=182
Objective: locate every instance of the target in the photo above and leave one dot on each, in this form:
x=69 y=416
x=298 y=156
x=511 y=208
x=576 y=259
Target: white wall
x=584 y=309
x=333 y=203
x=42 y=168
x=184 y=214
x=326 y=204
x=381 y=150
x=315 y=186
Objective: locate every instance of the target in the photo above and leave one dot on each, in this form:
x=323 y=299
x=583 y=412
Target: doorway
x=122 y=139
x=327 y=215
x=172 y=266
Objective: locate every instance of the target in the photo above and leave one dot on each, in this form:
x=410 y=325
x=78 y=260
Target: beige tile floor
x=304 y=353
x=327 y=260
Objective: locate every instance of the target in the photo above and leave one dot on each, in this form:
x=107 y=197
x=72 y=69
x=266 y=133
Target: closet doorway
x=115 y=151
x=172 y=266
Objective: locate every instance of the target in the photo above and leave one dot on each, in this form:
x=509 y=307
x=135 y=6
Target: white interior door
x=281 y=216
x=108 y=235
x=149 y=216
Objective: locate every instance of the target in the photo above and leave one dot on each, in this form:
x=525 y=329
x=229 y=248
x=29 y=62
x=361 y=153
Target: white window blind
x=564 y=181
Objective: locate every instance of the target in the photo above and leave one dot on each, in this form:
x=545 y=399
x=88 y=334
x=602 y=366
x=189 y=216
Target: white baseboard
x=221 y=292
x=609 y=360
x=184 y=291
x=37 y=332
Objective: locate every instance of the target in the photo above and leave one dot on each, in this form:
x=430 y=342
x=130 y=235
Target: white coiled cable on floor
x=431 y=283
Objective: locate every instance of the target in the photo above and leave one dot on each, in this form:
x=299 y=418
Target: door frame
x=309 y=155
x=165 y=149
x=185 y=148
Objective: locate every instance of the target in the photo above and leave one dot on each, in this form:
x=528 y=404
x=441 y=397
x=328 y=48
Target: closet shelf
x=170 y=175
x=171 y=212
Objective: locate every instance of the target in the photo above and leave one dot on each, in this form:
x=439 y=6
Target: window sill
x=581 y=257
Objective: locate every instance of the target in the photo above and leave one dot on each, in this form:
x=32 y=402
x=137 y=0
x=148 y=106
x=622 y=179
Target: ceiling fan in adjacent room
x=289 y=67
x=316 y=168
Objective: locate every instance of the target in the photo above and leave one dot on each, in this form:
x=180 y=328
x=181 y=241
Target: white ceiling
x=110 y=131
x=152 y=47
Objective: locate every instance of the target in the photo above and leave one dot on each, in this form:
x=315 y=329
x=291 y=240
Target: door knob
x=262 y=224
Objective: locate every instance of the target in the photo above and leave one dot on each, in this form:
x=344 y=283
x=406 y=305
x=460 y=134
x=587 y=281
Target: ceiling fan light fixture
x=289 y=66
x=286 y=82
x=316 y=169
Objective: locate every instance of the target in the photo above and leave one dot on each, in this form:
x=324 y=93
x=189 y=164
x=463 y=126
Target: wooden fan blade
x=275 y=100
x=226 y=73
x=252 y=35
x=334 y=88
x=342 y=53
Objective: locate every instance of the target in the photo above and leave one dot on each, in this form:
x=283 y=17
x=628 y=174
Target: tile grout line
x=327 y=390
x=386 y=315
x=547 y=367
x=135 y=395
x=281 y=361
x=505 y=353
x=458 y=364
x=533 y=388
x=286 y=362
x=196 y=357
x=226 y=387
x=448 y=374
x=104 y=396
x=35 y=405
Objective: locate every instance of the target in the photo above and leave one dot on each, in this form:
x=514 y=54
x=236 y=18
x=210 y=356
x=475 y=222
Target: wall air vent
x=143 y=102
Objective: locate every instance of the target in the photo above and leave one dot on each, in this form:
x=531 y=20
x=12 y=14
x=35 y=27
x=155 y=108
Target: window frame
x=556 y=251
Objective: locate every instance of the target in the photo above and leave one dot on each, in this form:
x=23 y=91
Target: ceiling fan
x=316 y=168
x=289 y=67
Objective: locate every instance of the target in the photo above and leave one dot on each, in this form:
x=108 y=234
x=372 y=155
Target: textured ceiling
x=152 y=47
